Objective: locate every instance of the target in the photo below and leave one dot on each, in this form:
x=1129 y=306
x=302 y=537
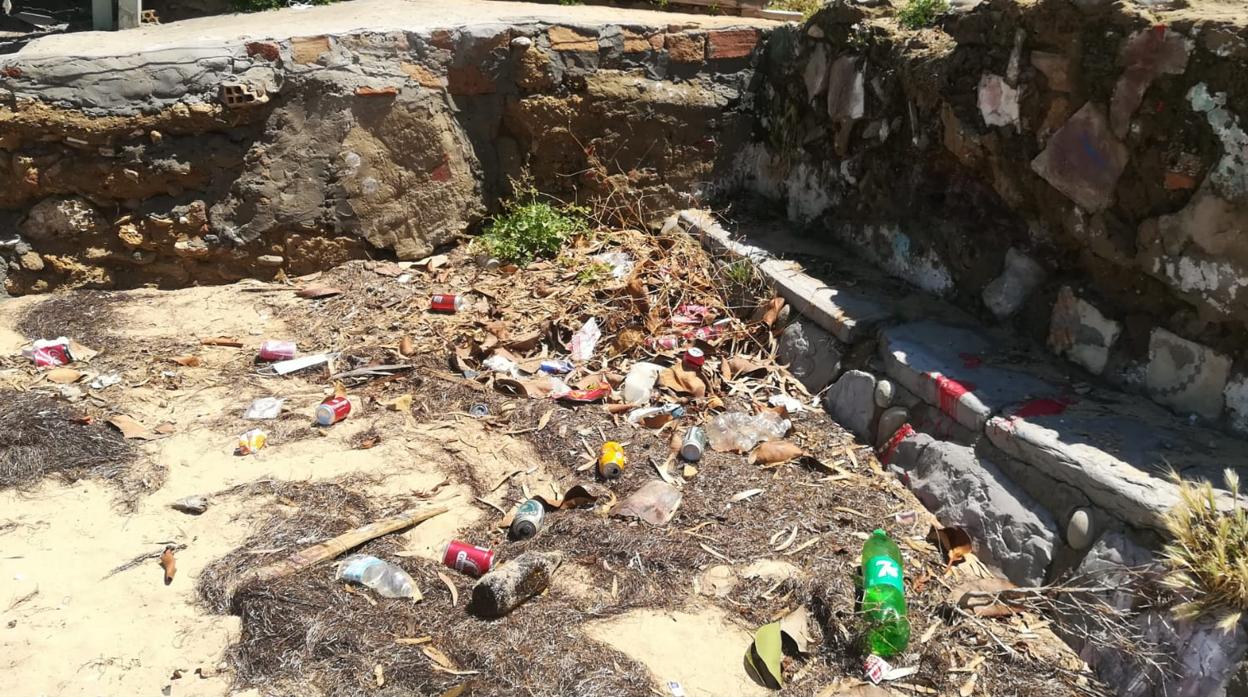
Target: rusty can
x=694 y=444
x=332 y=410
x=611 y=462
x=445 y=302
x=694 y=358
x=528 y=519
x=251 y=441
x=461 y=556
x=273 y=350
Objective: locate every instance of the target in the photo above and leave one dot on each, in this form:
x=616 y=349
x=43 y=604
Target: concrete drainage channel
x=1053 y=477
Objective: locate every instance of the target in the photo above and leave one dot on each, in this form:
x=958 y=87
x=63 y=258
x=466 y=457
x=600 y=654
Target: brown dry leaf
x=533 y=388
x=620 y=408
x=407 y=347
x=450 y=586
x=525 y=342
x=740 y=365
x=130 y=428
x=164 y=429
x=222 y=341
x=954 y=542
x=80 y=352
x=770 y=312
x=774 y=451
x=315 y=291
x=63 y=376
x=498 y=328
x=968 y=687
x=635 y=288
x=340 y=390
x=434 y=262
x=388 y=269
x=369 y=442
x=188 y=361
x=980 y=596
x=683 y=381
x=169 y=564
x=400 y=403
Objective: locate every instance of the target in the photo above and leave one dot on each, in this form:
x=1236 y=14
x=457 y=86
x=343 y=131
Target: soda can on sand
x=332 y=410
x=251 y=441
x=274 y=350
x=694 y=358
x=463 y=557
x=611 y=462
x=694 y=444
x=528 y=519
x=445 y=302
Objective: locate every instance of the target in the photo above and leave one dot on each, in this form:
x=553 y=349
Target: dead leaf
x=169 y=564
x=968 y=687
x=683 y=381
x=450 y=586
x=80 y=352
x=187 y=361
x=130 y=428
x=774 y=451
x=533 y=388
x=379 y=675
x=389 y=269
x=741 y=366
x=954 y=542
x=407 y=347
x=743 y=495
x=63 y=376
x=796 y=625
x=982 y=597
x=340 y=389
x=414 y=641
x=401 y=403
x=164 y=429
x=525 y=342
x=770 y=311
x=222 y=341
x=315 y=291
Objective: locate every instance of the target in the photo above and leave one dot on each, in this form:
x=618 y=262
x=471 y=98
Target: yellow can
x=611 y=462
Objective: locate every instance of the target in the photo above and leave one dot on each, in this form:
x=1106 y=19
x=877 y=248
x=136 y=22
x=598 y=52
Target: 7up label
x=883 y=571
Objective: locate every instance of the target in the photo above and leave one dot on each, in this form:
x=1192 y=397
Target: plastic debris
x=740 y=432
x=194 y=505
x=301 y=363
x=653 y=417
x=386 y=579
x=264 y=408
x=251 y=442
x=791 y=405
x=501 y=364
x=639 y=383
x=104 y=381
x=621 y=263
x=479 y=411
x=584 y=340
x=655 y=502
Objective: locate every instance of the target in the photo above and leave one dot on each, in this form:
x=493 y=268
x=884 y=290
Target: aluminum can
x=694 y=444
x=332 y=410
x=694 y=358
x=463 y=557
x=611 y=462
x=445 y=302
x=528 y=520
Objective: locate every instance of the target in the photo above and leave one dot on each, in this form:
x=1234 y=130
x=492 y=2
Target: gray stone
x=1010 y=529
x=851 y=401
x=884 y=393
x=1007 y=292
x=521 y=43
x=813 y=356
x=1079 y=529
x=270 y=260
x=194 y=505
x=846 y=90
x=1236 y=394
x=1083 y=159
x=1080 y=332
x=1185 y=375
x=815 y=74
x=61 y=217
x=892 y=419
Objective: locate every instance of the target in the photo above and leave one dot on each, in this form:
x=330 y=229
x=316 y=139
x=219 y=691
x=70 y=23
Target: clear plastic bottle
x=741 y=432
x=639 y=383
x=386 y=579
x=884 y=596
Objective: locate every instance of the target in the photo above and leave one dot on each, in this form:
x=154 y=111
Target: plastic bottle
x=386 y=579
x=741 y=432
x=639 y=383
x=884 y=596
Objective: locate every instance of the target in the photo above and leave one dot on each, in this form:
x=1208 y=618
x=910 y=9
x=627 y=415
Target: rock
x=1185 y=375
x=130 y=235
x=686 y=47
x=1083 y=159
x=193 y=505
x=271 y=260
x=1007 y=292
x=192 y=248
x=1056 y=69
x=1010 y=529
x=1229 y=176
x=846 y=92
x=1148 y=54
x=884 y=390
x=851 y=401
x=61 y=217
x=815 y=74
x=1236 y=394
x=508 y=586
x=813 y=356
x=521 y=43
x=731 y=43
x=1079 y=529
x=892 y=419
x=1080 y=332
x=31 y=261
x=998 y=101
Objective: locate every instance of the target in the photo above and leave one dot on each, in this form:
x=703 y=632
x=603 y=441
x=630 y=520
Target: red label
x=444 y=303
x=463 y=557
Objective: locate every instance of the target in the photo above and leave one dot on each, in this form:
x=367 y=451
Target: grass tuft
x=921 y=13
x=1209 y=555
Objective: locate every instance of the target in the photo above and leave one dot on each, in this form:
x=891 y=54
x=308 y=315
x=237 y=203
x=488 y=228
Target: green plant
x=921 y=13
x=807 y=7
x=593 y=273
x=531 y=230
x=740 y=272
x=259 y=5
x=1209 y=554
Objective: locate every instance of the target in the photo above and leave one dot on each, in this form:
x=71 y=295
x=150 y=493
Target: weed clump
x=531 y=230
x=921 y=13
x=1209 y=554
x=807 y=7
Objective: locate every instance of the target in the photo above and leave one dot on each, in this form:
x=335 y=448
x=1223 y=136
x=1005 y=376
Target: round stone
x=884 y=393
x=892 y=419
x=521 y=43
x=1079 y=529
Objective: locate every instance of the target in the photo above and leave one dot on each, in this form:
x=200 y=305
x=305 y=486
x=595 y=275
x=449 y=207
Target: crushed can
x=332 y=410
x=274 y=350
x=694 y=444
x=551 y=367
x=528 y=519
x=468 y=559
x=251 y=442
x=52 y=356
x=446 y=302
x=694 y=358
x=611 y=462
x=663 y=343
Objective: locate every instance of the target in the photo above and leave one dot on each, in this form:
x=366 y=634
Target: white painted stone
x=1230 y=175
x=884 y=390
x=998 y=101
x=1185 y=375
x=1080 y=332
x=1007 y=292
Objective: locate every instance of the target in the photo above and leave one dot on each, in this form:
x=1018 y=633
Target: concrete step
x=1116 y=449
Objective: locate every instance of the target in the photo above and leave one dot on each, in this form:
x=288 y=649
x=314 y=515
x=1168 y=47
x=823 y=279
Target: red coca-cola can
x=694 y=358
x=446 y=303
x=52 y=356
x=461 y=556
x=332 y=410
x=273 y=350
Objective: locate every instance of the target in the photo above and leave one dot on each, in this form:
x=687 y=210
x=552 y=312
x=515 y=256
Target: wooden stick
x=333 y=547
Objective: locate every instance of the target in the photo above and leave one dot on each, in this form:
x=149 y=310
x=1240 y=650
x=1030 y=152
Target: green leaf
x=765 y=655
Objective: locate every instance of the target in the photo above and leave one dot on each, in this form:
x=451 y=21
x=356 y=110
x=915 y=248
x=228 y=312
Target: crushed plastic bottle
x=741 y=432
x=639 y=383
x=386 y=579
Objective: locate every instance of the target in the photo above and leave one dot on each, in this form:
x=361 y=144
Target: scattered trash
x=104 y=381
x=264 y=408
x=585 y=396
x=502 y=364
x=655 y=502
x=621 y=263
x=675 y=689
x=504 y=589
x=302 y=363
x=275 y=350
x=333 y=410
x=168 y=563
x=740 y=432
x=384 y=578
x=479 y=411
x=694 y=444
x=692 y=314
x=790 y=405
x=694 y=358
x=611 y=460
x=131 y=429
x=663 y=343
x=555 y=367
x=50 y=353
x=639 y=383
x=655 y=417
x=194 y=505
x=465 y=558
x=251 y=442
x=883 y=598
x=528 y=519
x=447 y=303
x=584 y=340
x=875 y=667
x=906 y=517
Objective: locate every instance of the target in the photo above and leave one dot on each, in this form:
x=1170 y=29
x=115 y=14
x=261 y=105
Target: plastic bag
x=584 y=340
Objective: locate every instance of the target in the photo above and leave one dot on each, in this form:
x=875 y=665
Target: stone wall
x=1073 y=170
x=220 y=161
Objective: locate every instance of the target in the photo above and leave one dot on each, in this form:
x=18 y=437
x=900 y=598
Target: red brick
x=731 y=43
x=265 y=49
x=365 y=91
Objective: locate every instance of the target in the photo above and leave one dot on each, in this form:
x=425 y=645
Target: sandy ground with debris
x=84 y=632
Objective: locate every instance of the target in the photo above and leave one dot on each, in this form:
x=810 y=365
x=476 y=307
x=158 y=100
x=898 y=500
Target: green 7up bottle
x=883 y=596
